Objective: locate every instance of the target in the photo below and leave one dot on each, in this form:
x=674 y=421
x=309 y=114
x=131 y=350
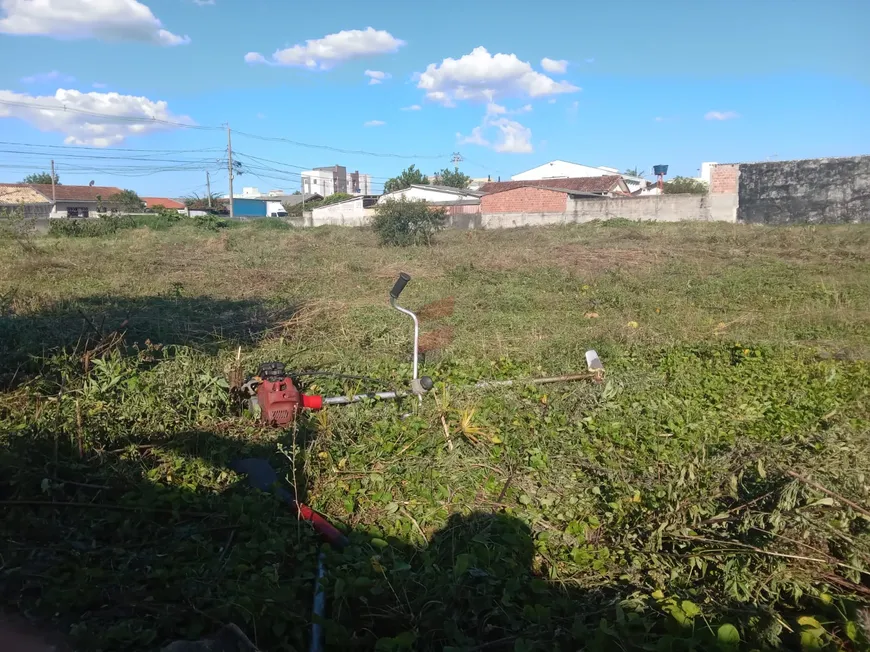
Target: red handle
x=324 y=528
x=312 y=402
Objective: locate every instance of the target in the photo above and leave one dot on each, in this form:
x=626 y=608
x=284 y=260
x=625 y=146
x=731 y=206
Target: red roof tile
x=151 y=202
x=76 y=193
x=581 y=184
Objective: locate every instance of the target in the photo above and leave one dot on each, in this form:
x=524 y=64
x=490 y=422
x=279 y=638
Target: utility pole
x=230 y=168
x=208 y=186
x=456 y=159
x=53 y=190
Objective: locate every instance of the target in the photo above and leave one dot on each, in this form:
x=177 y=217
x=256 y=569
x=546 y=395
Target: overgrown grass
x=661 y=509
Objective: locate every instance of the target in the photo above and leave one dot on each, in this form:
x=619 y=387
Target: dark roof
x=292 y=200
x=76 y=193
x=151 y=202
x=580 y=184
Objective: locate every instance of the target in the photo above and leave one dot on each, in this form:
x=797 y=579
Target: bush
x=89 y=227
x=406 y=222
x=210 y=222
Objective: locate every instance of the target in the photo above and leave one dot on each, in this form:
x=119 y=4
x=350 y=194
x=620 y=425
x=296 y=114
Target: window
x=77 y=211
x=315 y=182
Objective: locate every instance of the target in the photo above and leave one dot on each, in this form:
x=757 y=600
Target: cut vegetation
x=713 y=493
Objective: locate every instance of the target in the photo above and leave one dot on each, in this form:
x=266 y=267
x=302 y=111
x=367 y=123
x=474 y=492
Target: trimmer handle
x=400 y=285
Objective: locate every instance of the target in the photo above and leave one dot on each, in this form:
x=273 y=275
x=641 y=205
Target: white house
x=356 y=211
x=433 y=194
x=567 y=170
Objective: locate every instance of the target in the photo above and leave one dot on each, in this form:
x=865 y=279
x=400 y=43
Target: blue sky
x=626 y=84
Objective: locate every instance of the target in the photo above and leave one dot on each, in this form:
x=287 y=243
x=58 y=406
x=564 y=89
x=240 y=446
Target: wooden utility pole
x=53 y=190
x=208 y=187
x=230 y=168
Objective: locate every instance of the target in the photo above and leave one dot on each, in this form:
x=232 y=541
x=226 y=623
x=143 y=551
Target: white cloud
x=70 y=112
x=332 y=49
x=481 y=76
x=526 y=108
x=374 y=123
x=721 y=115
x=413 y=107
x=376 y=76
x=556 y=66
x=510 y=136
x=43 y=77
x=475 y=138
x=109 y=20
x=495 y=109
x=552 y=100
x=99 y=85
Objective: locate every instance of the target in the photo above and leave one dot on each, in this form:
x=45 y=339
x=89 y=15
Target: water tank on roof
x=660 y=170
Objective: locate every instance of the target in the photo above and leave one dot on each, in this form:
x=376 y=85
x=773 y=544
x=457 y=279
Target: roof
x=76 y=193
x=17 y=193
x=292 y=200
x=450 y=189
x=151 y=202
x=364 y=198
x=595 y=185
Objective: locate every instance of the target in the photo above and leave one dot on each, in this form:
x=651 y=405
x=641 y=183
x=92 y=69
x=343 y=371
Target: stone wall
x=812 y=191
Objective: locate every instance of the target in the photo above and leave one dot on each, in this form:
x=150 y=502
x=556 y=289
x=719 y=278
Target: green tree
x=453 y=178
x=409 y=177
x=406 y=222
x=634 y=172
x=41 y=177
x=685 y=186
x=196 y=202
x=126 y=201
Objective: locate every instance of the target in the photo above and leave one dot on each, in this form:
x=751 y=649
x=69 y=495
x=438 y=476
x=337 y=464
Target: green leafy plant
x=410 y=176
x=406 y=222
x=685 y=186
x=41 y=178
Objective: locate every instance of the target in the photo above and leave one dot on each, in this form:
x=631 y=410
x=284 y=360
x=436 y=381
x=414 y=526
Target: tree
x=41 y=177
x=685 y=186
x=409 y=177
x=407 y=222
x=194 y=202
x=634 y=172
x=126 y=201
x=453 y=178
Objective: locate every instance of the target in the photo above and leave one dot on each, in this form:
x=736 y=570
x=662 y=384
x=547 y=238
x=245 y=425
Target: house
x=356 y=211
x=600 y=186
x=566 y=170
x=433 y=194
x=330 y=180
x=78 y=201
x=152 y=203
x=18 y=196
x=293 y=200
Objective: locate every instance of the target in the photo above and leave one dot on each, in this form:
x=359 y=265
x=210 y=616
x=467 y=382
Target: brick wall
x=524 y=200
x=723 y=179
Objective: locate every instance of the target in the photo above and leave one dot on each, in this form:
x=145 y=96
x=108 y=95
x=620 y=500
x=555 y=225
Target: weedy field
x=712 y=493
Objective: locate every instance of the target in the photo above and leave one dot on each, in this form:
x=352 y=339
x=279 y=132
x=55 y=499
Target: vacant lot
x=714 y=491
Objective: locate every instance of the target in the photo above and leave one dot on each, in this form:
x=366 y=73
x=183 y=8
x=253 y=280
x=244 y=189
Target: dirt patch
x=437 y=339
x=437 y=309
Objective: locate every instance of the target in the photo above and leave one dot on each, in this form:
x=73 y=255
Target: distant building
x=330 y=180
x=433 y=194
x=77 y=201
x=18 y=196
x=566 y=170
x=173 y=204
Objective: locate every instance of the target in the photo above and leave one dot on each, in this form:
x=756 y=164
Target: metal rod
x=356 y=398
x=416 y=330
x=537 y=381
x=318 y=608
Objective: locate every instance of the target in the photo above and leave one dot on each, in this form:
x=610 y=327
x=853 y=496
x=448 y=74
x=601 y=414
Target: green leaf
x=728 y=636
x=690 y=608
x=392 y=508
x=524 y=499
x=809 y=621
x=461 y=564
x=811 y=639
x=657 y=595
x=761 y=472
x=379 y=543
x=852 y=630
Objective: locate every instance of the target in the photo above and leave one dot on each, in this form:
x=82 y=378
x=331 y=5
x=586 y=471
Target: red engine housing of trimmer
x=279 y=401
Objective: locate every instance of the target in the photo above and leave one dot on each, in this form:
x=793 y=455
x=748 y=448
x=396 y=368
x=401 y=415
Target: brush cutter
x=274 y=392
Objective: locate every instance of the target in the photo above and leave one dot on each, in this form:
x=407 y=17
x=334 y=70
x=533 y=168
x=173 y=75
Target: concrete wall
x=813 y=191
x=663 y=208
x=420 y=193
x=346 y=213
x=524 y=200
